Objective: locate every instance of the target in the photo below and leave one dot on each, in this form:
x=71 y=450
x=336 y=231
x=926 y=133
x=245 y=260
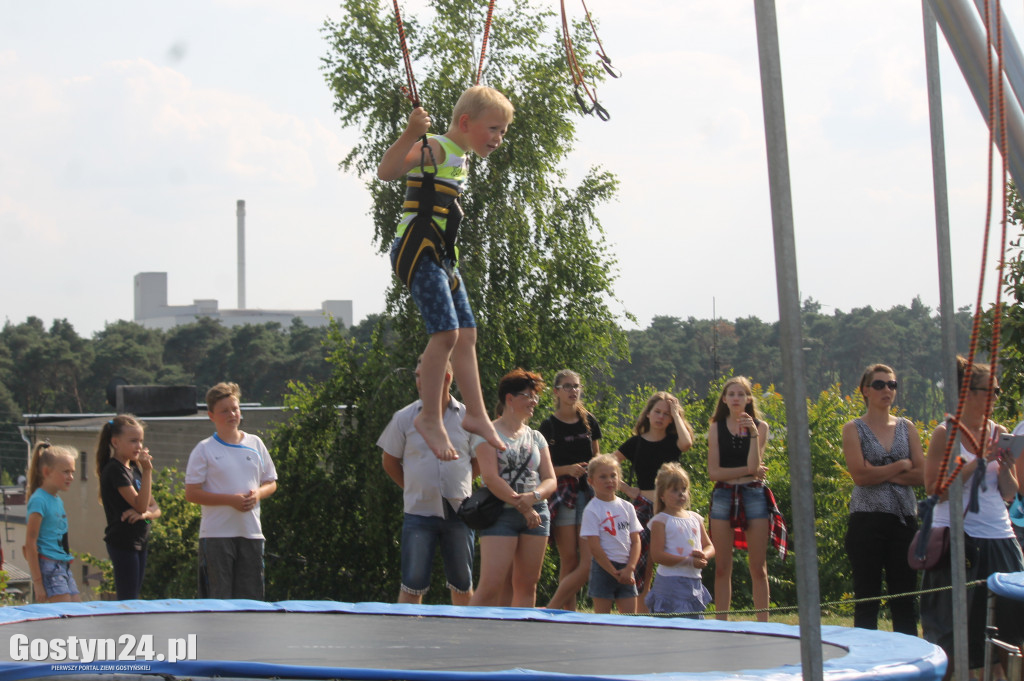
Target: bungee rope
x=578 y=79
x=483 y=43
x=410 y=89
x=824 y=605
x=996 y=117
x=606 y=61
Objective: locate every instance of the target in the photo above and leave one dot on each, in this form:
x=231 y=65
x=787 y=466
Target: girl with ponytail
x=125 y=470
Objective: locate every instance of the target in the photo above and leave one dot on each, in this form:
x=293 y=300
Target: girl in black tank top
x=572 y=433
x=736 y=440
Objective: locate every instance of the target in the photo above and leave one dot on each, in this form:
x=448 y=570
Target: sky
x=129 y=130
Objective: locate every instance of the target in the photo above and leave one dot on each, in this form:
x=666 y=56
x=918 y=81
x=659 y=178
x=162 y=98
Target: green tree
x=127 y=350
x=1011 y=346
x=171 y=568
x=50 y=365
x=188 y=345
x=537 y=268
x=533 y=255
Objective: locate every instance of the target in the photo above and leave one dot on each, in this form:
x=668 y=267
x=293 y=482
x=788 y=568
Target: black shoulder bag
x=481 y=509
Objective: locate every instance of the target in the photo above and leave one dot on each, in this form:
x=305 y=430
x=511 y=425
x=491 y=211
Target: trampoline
x=323 y=639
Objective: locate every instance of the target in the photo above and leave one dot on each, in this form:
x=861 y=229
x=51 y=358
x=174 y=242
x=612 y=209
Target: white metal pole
x=240 y=214
x=948 y=327
x=797 y=429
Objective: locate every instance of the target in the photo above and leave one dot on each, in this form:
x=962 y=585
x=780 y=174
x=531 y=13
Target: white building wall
x=152 y=310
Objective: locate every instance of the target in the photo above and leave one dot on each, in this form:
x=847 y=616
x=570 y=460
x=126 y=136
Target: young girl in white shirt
x=680 y=545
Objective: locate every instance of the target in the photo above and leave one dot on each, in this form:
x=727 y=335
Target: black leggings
x=877 y=542
x=129 y=569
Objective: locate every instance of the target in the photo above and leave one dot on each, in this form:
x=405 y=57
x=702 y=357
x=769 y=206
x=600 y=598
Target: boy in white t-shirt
x=229 y=473
x=613 y=534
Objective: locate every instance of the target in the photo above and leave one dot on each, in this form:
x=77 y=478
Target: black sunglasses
x=997 y=391
x=879 y=384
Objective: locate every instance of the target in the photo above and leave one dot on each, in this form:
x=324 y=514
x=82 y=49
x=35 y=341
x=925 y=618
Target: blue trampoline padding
x=871 y=654
x=1007 y=584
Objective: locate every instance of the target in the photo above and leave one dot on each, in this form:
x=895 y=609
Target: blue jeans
x=57 y=578
x=511 y=523
x=421 y=536
x=755 y=503
x=603 y=585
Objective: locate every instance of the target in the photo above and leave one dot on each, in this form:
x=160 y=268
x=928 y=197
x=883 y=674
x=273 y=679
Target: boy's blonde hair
x=478 y=99
x=219 y=392
x=670 y=476
x=603 y=460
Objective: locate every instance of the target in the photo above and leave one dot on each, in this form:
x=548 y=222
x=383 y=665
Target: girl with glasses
x=885 y=459
x=572 y=434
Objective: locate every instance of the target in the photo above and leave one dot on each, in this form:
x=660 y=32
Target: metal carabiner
x=424 y=151
x=579 y=100
x=607 y=64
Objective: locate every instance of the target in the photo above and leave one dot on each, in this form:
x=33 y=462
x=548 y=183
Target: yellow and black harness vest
x=429 y=198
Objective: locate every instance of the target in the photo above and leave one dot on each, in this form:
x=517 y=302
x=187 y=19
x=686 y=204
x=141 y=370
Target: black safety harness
x=429 y=198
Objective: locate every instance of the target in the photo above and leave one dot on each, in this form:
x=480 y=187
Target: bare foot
x=485 y=429
x=437 y=438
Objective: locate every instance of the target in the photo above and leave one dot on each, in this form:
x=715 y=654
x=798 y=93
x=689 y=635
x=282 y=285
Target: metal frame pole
x=948 y=320
x=797 y=428
x=964 y=30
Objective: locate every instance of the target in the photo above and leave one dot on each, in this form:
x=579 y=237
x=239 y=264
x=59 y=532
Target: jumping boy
x=424 y=255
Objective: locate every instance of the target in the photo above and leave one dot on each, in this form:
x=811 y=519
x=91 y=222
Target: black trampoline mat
x=410 y=642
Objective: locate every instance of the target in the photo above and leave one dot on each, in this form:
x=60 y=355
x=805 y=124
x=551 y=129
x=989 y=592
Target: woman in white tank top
x=990 y=543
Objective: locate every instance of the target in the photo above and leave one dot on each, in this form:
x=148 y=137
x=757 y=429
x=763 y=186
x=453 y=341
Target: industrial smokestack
x=240 y=212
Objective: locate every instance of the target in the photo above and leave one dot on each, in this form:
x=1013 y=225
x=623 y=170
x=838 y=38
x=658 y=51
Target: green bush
x=173 y=540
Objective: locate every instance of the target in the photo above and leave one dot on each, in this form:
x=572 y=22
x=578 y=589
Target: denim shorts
x=421 y=535
x=57 y=579
x=573 y=516
x=441 y=308
x=511 y=523
x=755 y=503
x=603 y=585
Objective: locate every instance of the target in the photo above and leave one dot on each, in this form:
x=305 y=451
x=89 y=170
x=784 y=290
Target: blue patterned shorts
x=441 y=308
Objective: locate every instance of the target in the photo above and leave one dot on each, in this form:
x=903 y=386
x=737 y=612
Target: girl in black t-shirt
x=125 y=471
x=572 y=433
x=661 y=435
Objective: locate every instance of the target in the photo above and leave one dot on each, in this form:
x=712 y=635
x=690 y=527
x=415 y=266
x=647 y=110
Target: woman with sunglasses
x=989 y=542
x=522 y=477
x=572 y=434
x=885 y=459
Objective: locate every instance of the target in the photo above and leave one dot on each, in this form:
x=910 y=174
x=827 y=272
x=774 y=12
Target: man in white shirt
x=433 y=490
